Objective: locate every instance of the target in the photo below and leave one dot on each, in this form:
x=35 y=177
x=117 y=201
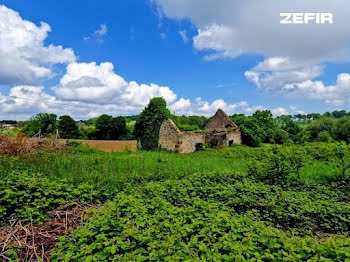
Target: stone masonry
x=220 y=132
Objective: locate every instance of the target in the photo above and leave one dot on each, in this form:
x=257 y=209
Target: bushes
x=29 y=197
x=133 y=227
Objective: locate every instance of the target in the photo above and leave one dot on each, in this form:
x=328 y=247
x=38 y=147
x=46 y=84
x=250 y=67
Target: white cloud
x=283 y=77
x=24 y=58
x=279 y=111
x=183 y=35
x=98 y=34
x=89 y=82
x=102 y=31
x=233 y=27
x=99 y=84
x=205 y=108
x=275 y=75
x=88 y=89
x=295 y=55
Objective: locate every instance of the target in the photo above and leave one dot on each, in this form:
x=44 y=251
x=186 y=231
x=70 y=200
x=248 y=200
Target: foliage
x=321 y=125
x=30 y=196
x=341 y=129
x=190 y=123
x=67 y=127
x=13 y=132
x=210 y=217
x=110 y=128
x=46 y=123
x=210 y=205
x=252 y=133
x=87 y=131
x=148 y=123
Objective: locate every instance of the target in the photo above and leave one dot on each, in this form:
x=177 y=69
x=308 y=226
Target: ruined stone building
x=220 y=131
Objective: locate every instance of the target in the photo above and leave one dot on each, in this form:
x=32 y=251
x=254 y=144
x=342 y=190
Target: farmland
x=110 y=146
x=272 y=203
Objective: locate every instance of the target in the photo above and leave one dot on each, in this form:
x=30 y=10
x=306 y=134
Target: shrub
x=134 y=228
x=29 y=197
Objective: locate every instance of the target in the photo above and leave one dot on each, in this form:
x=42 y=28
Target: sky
x=87 y=58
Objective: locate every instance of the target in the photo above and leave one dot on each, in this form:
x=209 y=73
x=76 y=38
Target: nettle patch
x=210 y=218
x=29 y=197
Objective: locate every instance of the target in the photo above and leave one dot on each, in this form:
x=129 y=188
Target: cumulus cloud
x=99 y=84
x=233 y=27
x=25 y=101
x=275 y=75
x=205 y=108
x=295 y=55
x=88 y=89
x=282 y=77
x=24 y=58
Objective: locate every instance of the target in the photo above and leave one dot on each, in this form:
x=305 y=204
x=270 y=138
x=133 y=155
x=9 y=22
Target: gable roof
x=169 y=124
x=220 y=121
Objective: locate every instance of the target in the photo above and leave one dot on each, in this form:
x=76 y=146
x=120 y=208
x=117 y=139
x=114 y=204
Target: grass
x=167 y=202
x=113 y=171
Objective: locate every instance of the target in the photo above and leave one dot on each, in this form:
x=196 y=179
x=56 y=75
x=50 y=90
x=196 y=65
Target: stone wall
x=169 y=135
x=235 y=135
x=189 y=140
x=220 y=128
x=220 y=121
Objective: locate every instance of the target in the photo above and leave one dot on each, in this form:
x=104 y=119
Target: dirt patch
x=110 y=146
x=35 y=242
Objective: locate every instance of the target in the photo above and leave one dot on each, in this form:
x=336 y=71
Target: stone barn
x=219 y=132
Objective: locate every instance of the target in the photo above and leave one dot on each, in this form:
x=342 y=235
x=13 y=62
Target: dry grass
x=110 y=146
x=35 y=242
x=21 y=145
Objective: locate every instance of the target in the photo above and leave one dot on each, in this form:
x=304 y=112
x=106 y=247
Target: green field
x=285 y=203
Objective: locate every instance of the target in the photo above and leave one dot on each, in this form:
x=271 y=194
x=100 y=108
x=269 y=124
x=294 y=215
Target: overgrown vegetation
x=148 y=123
x=273 y=203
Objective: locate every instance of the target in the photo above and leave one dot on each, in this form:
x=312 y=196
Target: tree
x=47 y=123
x=107 y=127
x=67 y=127
x=339 y=114
x=341 y=129
x=149 y=121
x=318 y=126
x=292 y=128
x=118 y=128
x=252 y=133
x=104 y=127
x=267 y=123
x=87 y=131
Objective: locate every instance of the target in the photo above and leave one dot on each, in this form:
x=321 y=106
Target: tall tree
x=118 y=127
x=108 y=128
x=47 y=123
x=67 y=127
x=149 y=121
x=104 y=127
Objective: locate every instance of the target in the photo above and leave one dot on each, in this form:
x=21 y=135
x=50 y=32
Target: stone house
x=219 y=132
x=7 y=126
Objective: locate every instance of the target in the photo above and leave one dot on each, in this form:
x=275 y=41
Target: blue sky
x=143 y=42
